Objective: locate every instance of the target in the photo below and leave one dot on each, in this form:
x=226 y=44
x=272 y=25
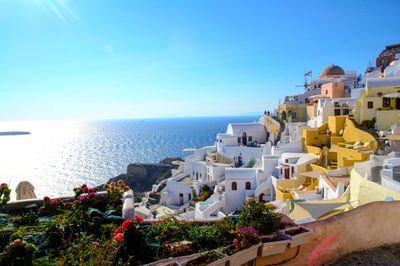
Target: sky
x=101 y=59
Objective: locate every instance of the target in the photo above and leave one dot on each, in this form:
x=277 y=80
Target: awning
x=313 y=174
x=392 y=137
x=316 y=210
x=392 y=95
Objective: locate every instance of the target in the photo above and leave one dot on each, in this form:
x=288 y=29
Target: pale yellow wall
x=311 y=111
x=363 y=191
x=385 y=119
x=369 y=114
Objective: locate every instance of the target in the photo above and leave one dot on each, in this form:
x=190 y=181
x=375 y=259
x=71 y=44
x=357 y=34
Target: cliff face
x=141 y=176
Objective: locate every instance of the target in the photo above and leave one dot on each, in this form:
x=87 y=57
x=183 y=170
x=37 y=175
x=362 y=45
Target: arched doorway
x=261 y=198
x=283 y=116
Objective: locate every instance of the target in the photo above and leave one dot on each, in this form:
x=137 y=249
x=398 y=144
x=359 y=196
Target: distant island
x=14 y=133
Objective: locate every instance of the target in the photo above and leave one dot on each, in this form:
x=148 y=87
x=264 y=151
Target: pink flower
x=14 y=219
x=84 y=186
x=41 y=210
x=67 y=204
x=119 y=237
x=236 y=243
x=54 y=202
x=76 y=202
x=95 y=244
x=92 y=195
x=84 y=197
x=46 y=199
x=91 y=190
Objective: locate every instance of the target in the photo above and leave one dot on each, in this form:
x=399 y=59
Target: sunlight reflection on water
x=59 y=156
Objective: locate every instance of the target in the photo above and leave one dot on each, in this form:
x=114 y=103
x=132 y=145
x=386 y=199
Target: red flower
x=14 y=219
x=126 y=224
x=46 y=199
x=139 y=219
x=119 y=237
x=117 y=231
x=92 y=195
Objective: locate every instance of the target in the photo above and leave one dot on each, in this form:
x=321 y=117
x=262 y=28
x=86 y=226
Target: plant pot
x=298 y=235
x=244 y=256
x=273 y=244
x=219 y=262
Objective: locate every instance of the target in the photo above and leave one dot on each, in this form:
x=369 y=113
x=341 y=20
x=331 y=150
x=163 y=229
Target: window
x=346 y=111
x=370 y=105
x=293 y=116
x=326 y=92
x=234 y=186
x=248 y=185
x=193 y=172
x=239 y=139
x=292 y=170
x=337 y=112
x=250 y=138
x=386 y=102
x=190 y=196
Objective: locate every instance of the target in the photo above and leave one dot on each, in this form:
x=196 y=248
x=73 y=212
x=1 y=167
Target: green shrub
x=258 y=216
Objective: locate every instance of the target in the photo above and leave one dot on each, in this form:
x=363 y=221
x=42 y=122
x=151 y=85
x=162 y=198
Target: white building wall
x=199 y=171
x=235 y=198
x=170 y=194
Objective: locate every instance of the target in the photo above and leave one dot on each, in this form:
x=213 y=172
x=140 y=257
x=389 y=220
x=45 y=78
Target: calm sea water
x=59 y=156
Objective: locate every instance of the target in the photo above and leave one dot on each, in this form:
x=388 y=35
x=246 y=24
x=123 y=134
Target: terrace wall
x=365 y=227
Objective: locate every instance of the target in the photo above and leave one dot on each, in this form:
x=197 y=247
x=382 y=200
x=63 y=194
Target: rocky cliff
x=141 y=176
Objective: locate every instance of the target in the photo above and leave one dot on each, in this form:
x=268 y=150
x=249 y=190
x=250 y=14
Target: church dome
x=332 y=71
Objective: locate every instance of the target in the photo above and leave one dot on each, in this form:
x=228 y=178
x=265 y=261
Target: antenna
x=307 y=79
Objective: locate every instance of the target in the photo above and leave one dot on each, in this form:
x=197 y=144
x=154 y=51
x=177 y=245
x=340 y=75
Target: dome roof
x=332 y=71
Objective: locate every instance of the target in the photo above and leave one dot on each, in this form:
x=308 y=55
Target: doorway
x=261 y=198
x=244 y=139
x=180 y=199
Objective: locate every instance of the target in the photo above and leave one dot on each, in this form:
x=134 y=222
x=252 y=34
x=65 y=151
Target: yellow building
x=292 y=112
x=339 y=143
x=379 y=101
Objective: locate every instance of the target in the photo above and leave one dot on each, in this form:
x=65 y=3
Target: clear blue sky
x=70 y=59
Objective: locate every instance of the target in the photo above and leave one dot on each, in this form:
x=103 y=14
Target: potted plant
x=273 y=244
x=298 y=235
x=211 y=258
x=244 y=247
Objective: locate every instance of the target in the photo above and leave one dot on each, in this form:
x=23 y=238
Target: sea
x=60 y=155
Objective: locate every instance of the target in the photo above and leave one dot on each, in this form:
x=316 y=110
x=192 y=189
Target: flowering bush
x=128 y=233
x=259 y=216
x=115 y=192
x=18 y=252
x=4 y=195
x=50 y=206
x=84 y=198
x=245 y=238
x=28 y=219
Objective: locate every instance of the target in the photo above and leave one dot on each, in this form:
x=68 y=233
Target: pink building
x=333 y=90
